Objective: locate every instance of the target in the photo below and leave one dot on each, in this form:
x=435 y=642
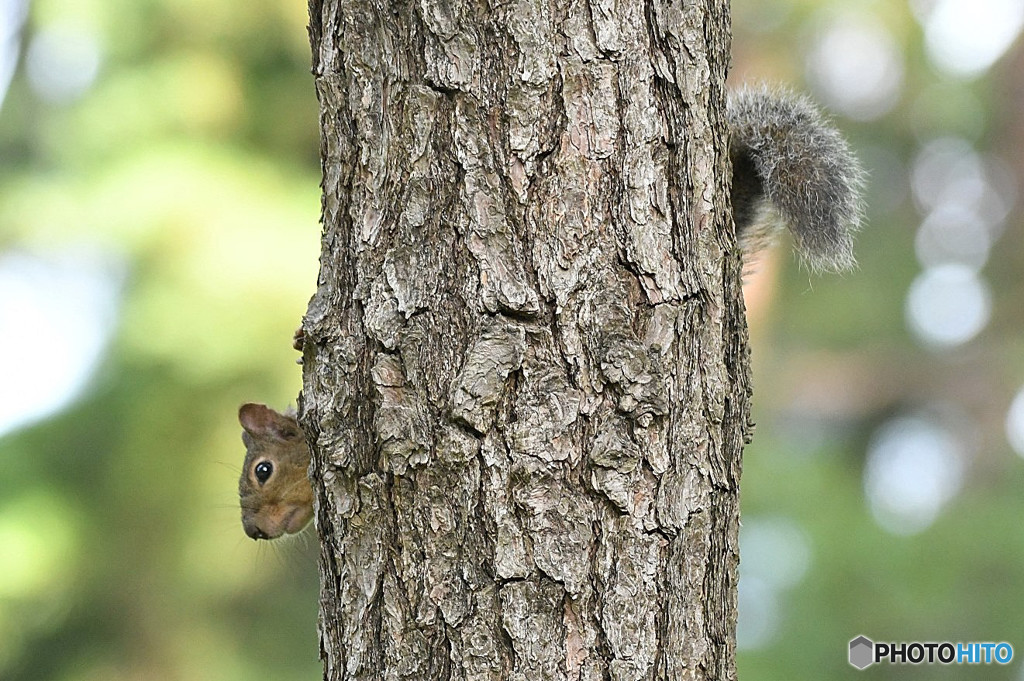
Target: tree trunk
x=525 y=371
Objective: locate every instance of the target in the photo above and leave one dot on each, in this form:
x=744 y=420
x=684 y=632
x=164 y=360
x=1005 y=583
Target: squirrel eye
x=263 y=471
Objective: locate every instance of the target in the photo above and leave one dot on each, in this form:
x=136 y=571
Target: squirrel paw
x=298 y=342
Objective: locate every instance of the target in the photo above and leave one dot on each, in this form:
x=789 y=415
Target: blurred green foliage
x=191 y=158
x=836 y=360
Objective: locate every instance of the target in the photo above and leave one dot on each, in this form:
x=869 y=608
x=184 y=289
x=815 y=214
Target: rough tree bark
x=525 y=374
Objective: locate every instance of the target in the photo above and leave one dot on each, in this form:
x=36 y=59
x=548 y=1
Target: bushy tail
x=787 y=155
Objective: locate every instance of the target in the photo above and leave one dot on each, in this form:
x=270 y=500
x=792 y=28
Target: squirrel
x=789 y=167
x=274 y=489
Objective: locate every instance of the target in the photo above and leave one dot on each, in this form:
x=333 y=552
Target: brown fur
x=283 y=502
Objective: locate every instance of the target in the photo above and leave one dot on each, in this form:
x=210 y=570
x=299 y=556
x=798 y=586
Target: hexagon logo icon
x=862 y=652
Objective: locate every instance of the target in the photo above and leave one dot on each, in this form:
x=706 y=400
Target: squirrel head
x=274 y=489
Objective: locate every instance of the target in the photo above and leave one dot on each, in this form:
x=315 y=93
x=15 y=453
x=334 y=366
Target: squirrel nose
x=256 y=533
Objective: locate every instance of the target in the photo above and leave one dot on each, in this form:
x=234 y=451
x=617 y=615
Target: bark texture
x=525 y=374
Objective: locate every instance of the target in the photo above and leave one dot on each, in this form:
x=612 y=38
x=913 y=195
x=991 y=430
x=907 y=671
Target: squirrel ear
x=254 y=417
x=262 y=421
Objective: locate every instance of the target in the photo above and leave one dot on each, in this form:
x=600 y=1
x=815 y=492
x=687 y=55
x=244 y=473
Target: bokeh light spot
x=776 y=556
x=62 y=62
x=965 y=37
x=12 y=16
x=914 y=467
x=948 y=305
x=1015 y=423
x=56 y=317
x=856 y=67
